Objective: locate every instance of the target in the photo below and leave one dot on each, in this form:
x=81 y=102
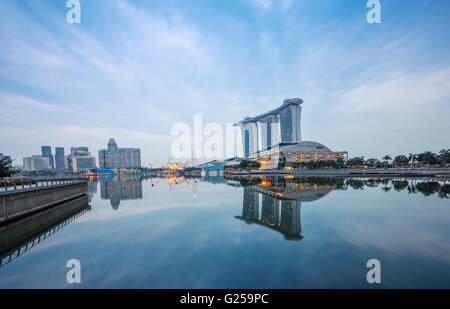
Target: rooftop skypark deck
x=286 y=103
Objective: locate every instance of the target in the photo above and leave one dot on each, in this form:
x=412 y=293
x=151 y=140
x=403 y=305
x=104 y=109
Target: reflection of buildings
x=92 y=189
x=121 y=189
x=251 y=205
x=280 y=204
x=214 y=179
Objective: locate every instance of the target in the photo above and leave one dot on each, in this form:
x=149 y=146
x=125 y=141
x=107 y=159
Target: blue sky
x=132 y=69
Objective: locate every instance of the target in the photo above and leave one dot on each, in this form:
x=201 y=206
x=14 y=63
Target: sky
x=132 y=69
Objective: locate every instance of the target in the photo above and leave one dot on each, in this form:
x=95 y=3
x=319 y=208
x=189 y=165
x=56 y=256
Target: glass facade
x=116 y=158
x=59 y=158
x=286 y=123
x=47 y=152
x=281 y=125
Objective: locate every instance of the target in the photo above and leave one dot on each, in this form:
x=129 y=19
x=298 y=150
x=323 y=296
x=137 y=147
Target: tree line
x=414 y=160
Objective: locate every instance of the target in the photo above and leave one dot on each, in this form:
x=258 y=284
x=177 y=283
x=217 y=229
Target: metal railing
x=12 y=184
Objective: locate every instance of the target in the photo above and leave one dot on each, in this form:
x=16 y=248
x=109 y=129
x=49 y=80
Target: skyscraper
x=36 y=163
x=290 y=121
x=279 y=125
x=270 y=131
x=80 y=159
x=59 y=158
x=250 y=138
x=47 y=152
x=115 y=157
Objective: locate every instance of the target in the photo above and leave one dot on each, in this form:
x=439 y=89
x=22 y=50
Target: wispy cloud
x=262 y=4
x=134 y=69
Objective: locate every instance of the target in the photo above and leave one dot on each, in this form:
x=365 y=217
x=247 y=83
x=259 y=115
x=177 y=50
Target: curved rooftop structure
x=307 y=146
x=286 y=103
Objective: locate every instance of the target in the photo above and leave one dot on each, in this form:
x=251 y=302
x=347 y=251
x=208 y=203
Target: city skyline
x=73 y=84
x=79 y=159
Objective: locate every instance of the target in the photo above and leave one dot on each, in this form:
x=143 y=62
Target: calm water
x=258 y=233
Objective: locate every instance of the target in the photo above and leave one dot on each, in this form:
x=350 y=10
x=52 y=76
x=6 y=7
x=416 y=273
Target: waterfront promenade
x=20 y=201
x=362 y=172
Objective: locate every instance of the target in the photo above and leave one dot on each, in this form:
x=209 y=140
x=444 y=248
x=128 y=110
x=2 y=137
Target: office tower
x=116 y=158
x=36 y=163
x=83 y=163
x=59 y=158
x=80 y=160
x=47 y=152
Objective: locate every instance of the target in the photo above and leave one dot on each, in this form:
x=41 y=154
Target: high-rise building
x=36 y=163
x=80 y=160
x=59 y=158
x=130 y=157
x=290 y=117
x=83 y=163
x=279 y=134
x=115 y=157
x=249 y=138
x=281 y=124
x=270 y=127
x=47 y=152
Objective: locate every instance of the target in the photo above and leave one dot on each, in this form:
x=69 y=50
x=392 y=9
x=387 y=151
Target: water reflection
x=342 y=223
x=281 y=197
x=289 y=185
x=19 y=237
x=281 y=201
x=117 y=188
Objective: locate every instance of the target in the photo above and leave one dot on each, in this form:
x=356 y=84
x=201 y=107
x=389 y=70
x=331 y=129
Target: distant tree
x=386 y=159
x=6 y=169
x=444 y=156
x=373 y=162
x=249 y=164
x=427 y=157
x=411 y=158
x=356 y=161
x=401 y=160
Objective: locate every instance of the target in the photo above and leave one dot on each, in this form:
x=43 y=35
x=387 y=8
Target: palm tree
x=443 y=155
x=415 y=159
x=386 y=159
x=373 y=162
x=411 y=158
